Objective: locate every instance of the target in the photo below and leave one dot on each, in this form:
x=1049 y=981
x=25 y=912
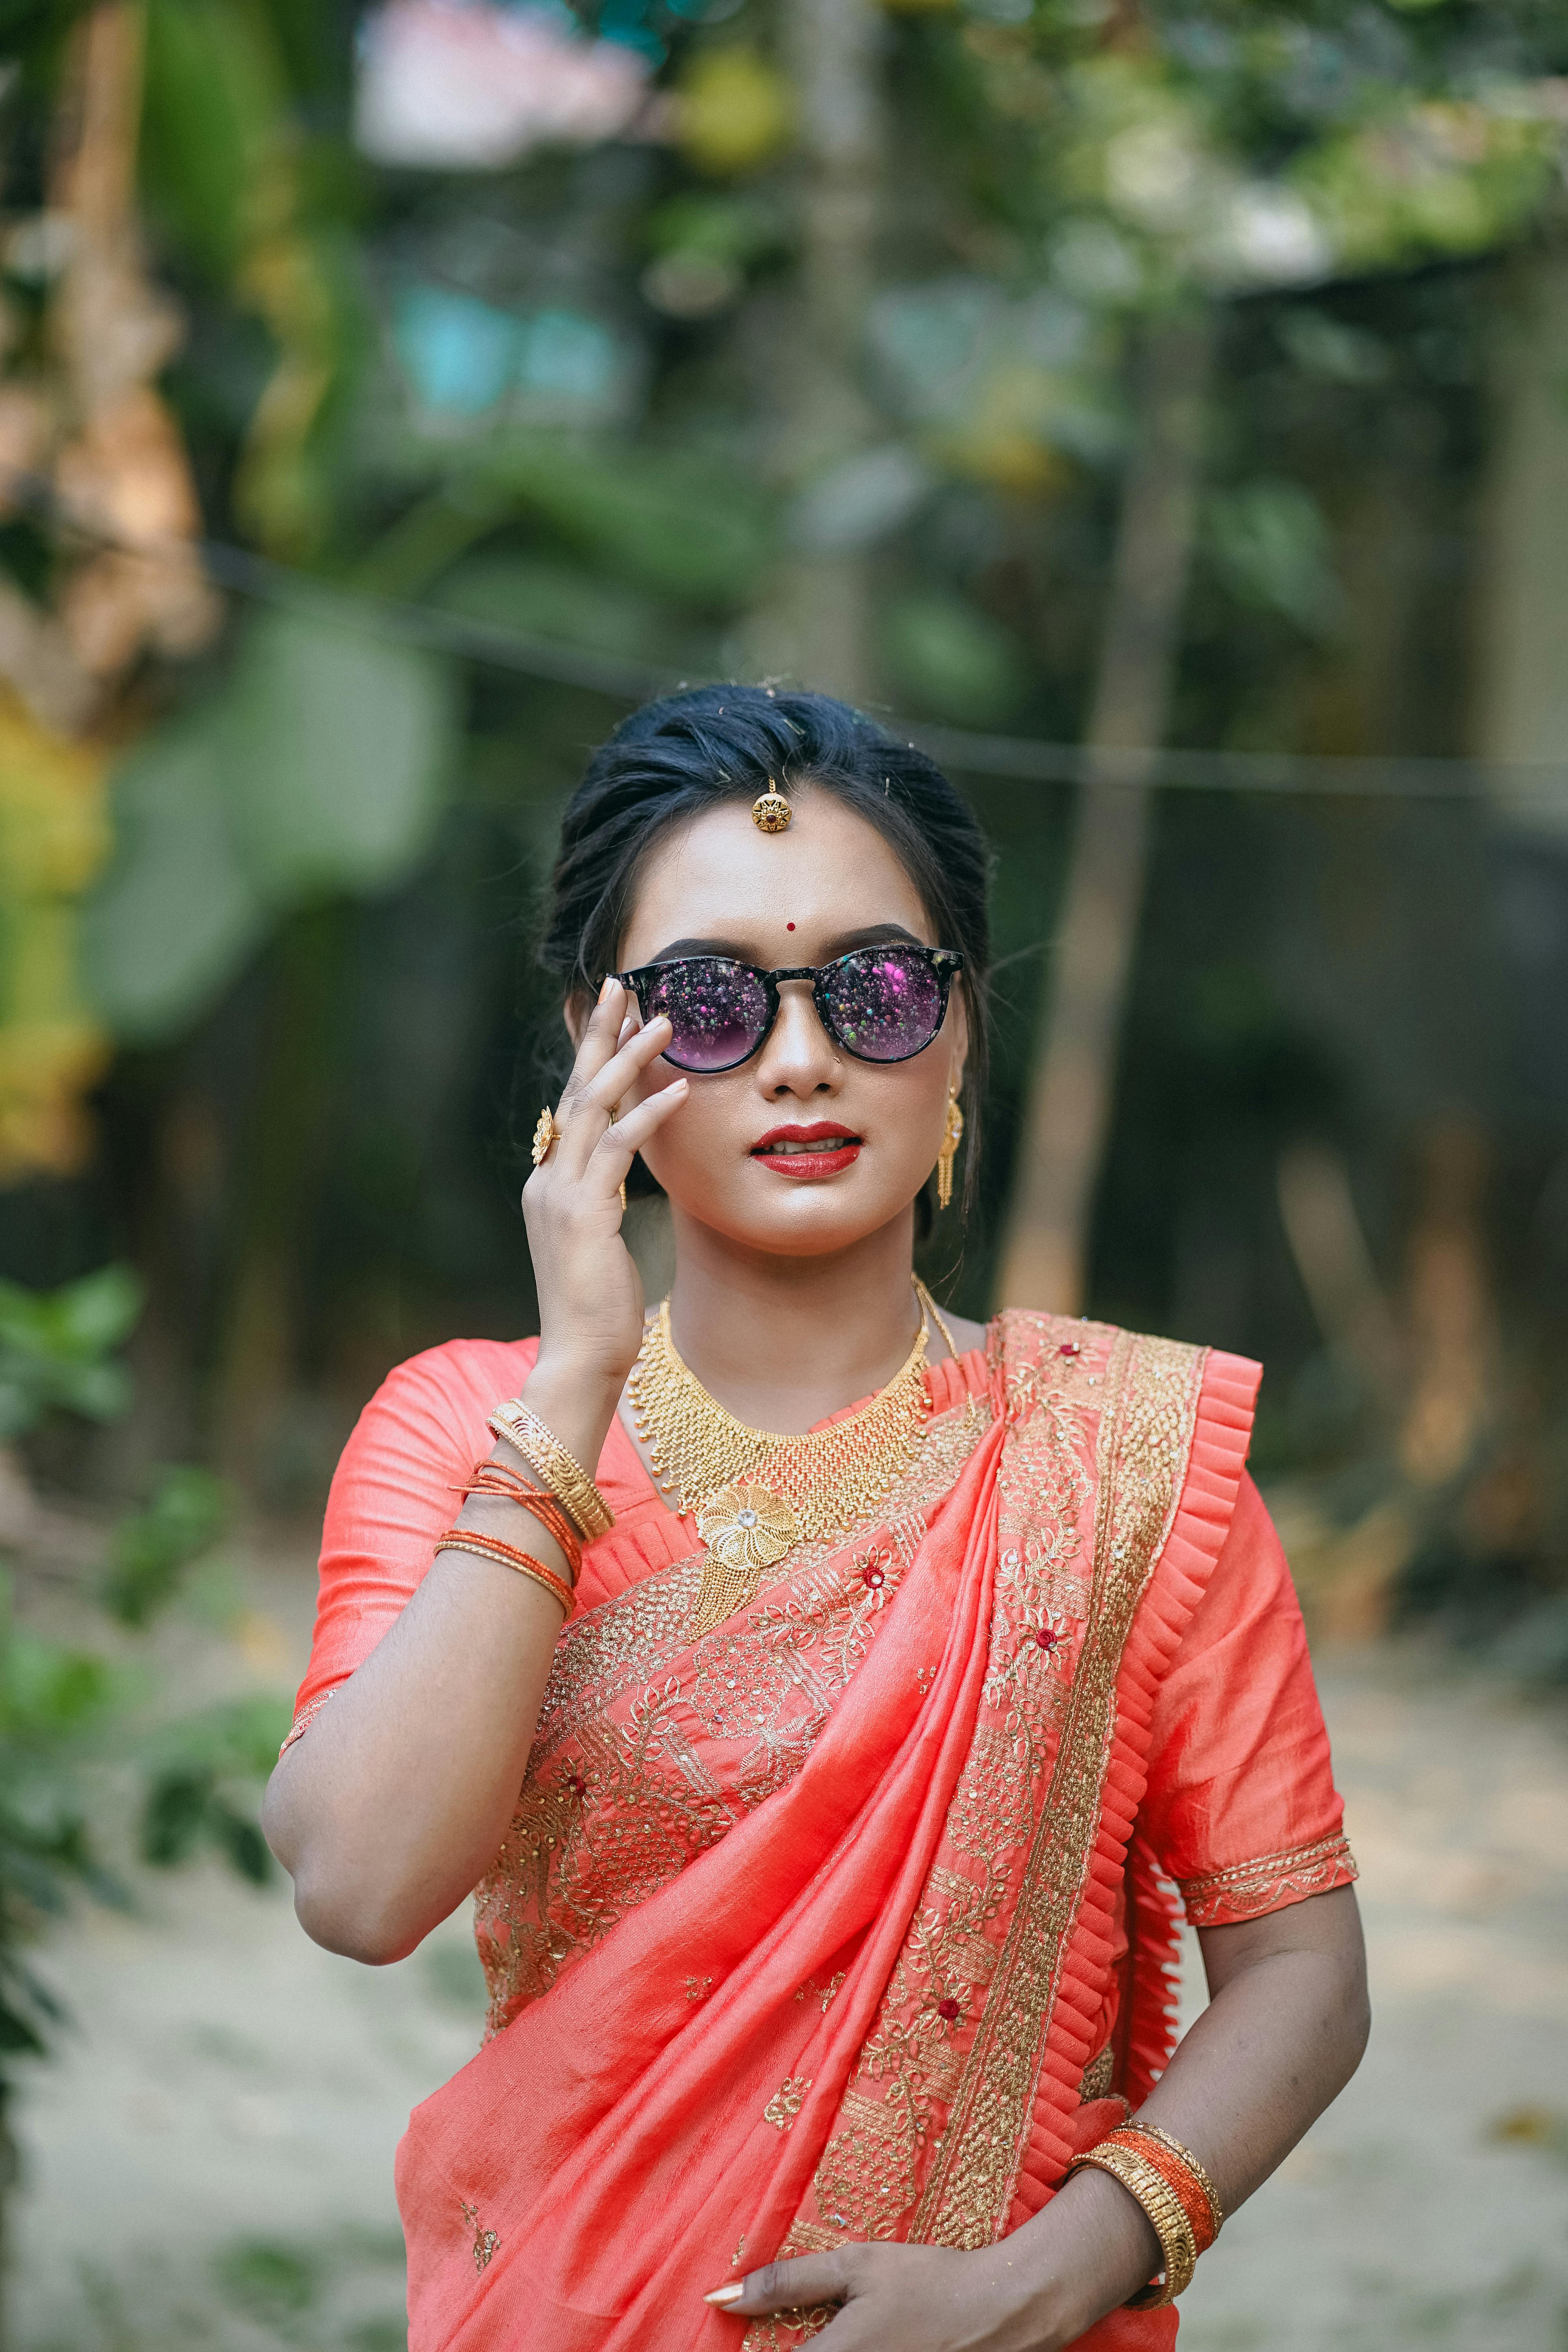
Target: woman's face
x=720 y=886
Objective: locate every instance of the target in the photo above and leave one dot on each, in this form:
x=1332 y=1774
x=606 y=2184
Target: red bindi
x=789 y=927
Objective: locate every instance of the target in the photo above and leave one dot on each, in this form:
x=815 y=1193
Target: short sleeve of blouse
x=1241 y=1808
x=398 y=1485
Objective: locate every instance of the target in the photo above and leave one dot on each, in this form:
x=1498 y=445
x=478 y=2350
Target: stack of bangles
x=573 y=1509
x=561 y=1473
x=1176 y=2194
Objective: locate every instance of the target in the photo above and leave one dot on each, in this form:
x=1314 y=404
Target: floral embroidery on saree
x=787 y=2102
x=1244 y=1889
x=946 y=2079
x=485 y=2240
x=651 y=1747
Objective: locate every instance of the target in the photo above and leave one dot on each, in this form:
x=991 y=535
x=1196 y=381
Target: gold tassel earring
x=952 y=1136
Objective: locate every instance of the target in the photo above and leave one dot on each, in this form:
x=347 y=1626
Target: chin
x=790 y=1216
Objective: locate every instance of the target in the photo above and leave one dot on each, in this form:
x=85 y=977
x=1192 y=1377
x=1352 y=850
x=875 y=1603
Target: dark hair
x=689 y=751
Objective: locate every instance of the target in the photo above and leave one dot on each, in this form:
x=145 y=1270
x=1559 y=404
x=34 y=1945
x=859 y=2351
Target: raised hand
x=590 y=1293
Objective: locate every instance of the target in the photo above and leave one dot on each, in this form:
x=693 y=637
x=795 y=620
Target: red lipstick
x=801 y=1162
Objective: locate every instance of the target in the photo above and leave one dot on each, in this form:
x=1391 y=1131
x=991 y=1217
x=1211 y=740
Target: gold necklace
x=754 y=1493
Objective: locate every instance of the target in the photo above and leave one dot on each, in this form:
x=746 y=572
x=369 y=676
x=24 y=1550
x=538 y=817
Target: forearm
x=391 y=1807
x=1282 y=2036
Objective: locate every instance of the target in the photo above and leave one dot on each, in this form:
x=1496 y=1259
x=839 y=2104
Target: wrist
x=576 y=1400
x=1091 y=2247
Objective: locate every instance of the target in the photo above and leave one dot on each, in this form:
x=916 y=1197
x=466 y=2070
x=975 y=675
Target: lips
x=804 y=1152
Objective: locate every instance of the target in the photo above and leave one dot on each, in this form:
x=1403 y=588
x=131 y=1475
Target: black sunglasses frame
x=945 y=962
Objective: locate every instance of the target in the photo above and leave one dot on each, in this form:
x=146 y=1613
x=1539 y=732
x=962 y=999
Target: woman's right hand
x=590 y=1293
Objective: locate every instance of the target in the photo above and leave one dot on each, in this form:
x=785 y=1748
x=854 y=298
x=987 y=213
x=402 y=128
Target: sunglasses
x=880 y=1004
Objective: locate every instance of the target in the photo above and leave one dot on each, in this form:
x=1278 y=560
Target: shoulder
x=1211 y=1391
x=1025 y=1334
x=457 y=1384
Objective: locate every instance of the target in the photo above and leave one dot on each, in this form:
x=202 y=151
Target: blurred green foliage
x=67 y=1713
x=151 y=1550
x=57 y=1347
x=55 y=1703
x=201 y=1778
x=316 y=769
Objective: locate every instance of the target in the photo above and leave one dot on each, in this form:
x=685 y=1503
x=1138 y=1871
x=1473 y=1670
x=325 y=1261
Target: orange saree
x=851 y=1918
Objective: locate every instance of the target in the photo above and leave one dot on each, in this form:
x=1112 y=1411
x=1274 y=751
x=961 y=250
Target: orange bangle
x=1182 y=2172
x=496 y=1478
x=507 y=1555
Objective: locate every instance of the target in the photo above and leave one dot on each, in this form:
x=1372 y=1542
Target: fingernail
x=609 y=981
x=722 y=2296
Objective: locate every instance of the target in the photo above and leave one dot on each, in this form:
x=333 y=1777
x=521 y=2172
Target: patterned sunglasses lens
x=886 y=1003
x=717 y=1012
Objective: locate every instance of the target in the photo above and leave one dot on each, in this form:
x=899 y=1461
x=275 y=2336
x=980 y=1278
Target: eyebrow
x=869 y=935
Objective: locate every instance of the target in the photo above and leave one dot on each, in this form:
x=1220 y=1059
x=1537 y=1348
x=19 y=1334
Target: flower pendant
x=748 y=1526
x=747 y=1531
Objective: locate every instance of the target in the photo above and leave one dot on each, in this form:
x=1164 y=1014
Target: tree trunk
x=816 y=627
x=287 y=1153
x=1522 y=680
x=1067 y=1113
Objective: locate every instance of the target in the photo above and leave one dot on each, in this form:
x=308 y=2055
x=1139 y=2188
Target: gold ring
x=546 y=1135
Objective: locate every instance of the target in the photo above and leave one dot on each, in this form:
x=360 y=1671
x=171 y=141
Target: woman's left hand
x=898 y=2298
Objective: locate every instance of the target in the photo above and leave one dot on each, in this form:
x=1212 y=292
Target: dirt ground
x=210 y=2163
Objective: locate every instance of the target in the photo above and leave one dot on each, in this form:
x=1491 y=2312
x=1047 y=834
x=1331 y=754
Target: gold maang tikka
x=952 y=1136
x=771 y=813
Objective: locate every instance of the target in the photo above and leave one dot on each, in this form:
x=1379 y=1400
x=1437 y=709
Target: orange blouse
x=1240 y=1810
x=854 y=1917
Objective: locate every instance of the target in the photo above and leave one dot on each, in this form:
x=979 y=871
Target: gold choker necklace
x=755 y=1493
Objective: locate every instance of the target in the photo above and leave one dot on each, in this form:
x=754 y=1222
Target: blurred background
x=1162 y=410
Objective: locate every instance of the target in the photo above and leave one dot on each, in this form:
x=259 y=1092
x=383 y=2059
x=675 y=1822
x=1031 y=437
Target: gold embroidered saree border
x=1246 y=1890
x=1144 y=1445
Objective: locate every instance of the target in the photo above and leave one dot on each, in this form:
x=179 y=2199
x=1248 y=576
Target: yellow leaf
x=734 y=111
x=54 y=822
x=46 y=1067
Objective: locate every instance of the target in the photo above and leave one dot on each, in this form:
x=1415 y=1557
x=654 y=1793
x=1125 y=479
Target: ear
x=958 y=1027
x=576 y=1012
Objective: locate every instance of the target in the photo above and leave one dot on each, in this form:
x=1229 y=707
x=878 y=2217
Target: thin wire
x=1513 y=783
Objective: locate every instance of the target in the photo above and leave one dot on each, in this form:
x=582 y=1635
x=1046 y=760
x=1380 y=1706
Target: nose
x=799 y=1058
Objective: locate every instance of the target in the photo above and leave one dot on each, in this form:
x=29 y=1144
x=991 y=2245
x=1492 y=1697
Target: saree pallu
x=833 y=1924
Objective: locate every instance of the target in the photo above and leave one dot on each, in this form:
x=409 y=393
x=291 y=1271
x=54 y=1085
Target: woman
x=830 y=1929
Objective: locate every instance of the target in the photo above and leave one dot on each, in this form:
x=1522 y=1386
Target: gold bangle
x=561 y=1473
x=1162 y=2210
x=1180 y=2148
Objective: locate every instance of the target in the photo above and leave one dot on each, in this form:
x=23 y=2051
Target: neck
x=782 y=1342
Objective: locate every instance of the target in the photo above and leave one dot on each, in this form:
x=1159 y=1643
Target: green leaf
x=177 y=914
x=239 y=1738
x=342 y=741
x=1270 y=545
x=215 y=117
x=318 y=768
x=189 y=1802
x=242 y=1842
x=953 y=660
x=674 y=524
x=52 y=1345
x=47 y=1692
x=100 y=1310
x=174 y=1817
x=189 y=1510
